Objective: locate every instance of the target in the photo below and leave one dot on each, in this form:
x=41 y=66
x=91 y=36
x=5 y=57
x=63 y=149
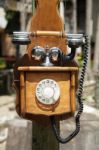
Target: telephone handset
x=46 y=78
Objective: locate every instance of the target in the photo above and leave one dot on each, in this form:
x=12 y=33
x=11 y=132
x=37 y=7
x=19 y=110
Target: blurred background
x=79 y=16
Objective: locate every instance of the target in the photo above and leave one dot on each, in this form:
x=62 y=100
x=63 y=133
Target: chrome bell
x=38 y=53
x=55 y=54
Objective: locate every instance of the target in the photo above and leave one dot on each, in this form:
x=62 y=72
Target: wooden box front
x=29 y=102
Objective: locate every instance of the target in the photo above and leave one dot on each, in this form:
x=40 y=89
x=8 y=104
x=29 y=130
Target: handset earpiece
x=21 y=38
x=74 y=41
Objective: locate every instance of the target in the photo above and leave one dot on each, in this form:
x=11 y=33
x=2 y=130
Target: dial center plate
x=47 y=91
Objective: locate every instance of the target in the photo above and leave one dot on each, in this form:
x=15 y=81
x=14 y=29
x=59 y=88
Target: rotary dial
x=47 y=92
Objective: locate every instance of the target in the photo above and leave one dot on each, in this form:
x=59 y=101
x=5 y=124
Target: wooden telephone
x=46 y=78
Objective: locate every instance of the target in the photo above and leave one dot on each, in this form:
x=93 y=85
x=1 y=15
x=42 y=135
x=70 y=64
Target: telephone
x=46 y=78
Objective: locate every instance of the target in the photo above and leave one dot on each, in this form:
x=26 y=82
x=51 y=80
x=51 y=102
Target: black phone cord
x=79 y=98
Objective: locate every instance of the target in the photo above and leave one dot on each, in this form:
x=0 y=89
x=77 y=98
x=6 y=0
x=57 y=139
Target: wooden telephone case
x=28 y=72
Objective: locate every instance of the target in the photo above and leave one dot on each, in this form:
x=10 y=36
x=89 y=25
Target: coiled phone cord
x=79 y=98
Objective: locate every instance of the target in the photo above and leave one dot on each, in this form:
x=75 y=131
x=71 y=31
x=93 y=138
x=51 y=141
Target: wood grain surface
x=47 y=18
x=29 y=80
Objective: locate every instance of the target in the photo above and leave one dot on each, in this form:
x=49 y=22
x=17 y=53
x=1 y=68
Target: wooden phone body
x=28 y=73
